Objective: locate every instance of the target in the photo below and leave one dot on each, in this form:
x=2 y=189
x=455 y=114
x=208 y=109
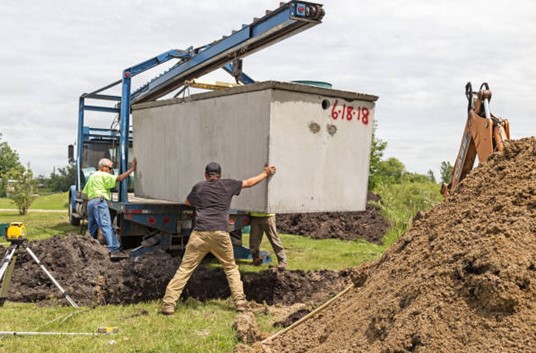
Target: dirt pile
x=83 y=268
x=369 y=225
x=462 y=279
x=81 y=265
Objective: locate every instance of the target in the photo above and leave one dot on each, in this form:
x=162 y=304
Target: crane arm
x=287 y=20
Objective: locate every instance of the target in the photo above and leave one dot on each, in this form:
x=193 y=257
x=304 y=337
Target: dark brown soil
x=83 y=268
x=369 y=225
x=462 y=279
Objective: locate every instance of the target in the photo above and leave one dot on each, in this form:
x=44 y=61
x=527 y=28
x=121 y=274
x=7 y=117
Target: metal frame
x=227 y=53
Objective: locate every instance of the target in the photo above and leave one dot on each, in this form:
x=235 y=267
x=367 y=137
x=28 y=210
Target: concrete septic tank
x=319 y=139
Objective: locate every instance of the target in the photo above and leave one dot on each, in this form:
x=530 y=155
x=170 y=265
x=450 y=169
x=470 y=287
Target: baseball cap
x=213 y=168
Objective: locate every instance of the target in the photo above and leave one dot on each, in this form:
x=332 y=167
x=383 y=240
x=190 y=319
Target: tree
x=408 y=177
x=63 y=179
x=376 y=154
x=9 y=159
x=431 y=176
x=445 y=172
x=24 y=188
x=390 y=171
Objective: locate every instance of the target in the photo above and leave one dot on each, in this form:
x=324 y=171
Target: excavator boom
x=484 y=134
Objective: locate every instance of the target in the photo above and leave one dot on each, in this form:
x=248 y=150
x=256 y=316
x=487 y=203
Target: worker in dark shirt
x=212 y=199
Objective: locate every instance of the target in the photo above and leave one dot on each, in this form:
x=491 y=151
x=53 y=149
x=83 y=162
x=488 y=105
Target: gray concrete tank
x=319 y=139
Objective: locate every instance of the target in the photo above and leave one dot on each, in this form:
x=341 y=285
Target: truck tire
x=75 y=221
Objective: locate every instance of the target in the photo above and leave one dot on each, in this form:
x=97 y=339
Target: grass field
x=197 y=327
x=49 y=202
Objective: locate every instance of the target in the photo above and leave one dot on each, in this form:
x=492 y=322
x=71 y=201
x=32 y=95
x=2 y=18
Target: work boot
x=242 y=305
x=167 y=311
x=118 y=255
x=257 y=259
x=282 y=265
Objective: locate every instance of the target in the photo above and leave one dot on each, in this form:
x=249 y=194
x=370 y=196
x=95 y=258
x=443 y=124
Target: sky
x=416 y=55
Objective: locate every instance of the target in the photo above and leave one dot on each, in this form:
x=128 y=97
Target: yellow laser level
x=16 y=231
x=16 y=234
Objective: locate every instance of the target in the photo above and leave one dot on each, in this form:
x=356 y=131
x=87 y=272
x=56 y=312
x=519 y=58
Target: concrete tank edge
x=259 y=86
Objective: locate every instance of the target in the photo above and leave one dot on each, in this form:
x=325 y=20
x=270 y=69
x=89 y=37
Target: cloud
x=415 y=55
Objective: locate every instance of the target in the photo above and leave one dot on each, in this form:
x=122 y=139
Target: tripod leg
x=6 y=272
x=69 y=299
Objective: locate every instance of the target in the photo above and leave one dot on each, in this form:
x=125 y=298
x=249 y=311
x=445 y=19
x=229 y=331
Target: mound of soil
x=462 y=279
x=369 y=225
x=81 y=265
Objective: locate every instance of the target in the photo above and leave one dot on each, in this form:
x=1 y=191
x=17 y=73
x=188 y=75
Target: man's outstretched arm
x=266 y=172
x=132 y=168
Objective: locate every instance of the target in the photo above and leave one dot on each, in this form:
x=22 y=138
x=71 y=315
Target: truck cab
x=97 y=144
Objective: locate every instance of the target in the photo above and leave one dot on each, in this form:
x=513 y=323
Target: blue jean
x=98 y=215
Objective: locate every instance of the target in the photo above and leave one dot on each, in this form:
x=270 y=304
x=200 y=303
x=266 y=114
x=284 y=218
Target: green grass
x=197 y=327
x=57 y=201
x=40 y=225
x=6 y=203
x=329 y=254
x=401 y=202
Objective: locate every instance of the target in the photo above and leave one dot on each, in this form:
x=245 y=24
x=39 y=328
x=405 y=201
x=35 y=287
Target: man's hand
x=125 y=175
x=270 y=170
x=266 y=172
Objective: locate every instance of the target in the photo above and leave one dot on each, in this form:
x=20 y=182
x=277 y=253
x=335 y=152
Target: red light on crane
x=308 y=11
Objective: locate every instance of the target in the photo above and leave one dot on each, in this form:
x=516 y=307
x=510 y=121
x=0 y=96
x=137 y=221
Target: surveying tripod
x=8 y=265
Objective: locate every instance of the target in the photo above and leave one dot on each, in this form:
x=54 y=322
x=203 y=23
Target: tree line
x=393 y=171
x=19 y=184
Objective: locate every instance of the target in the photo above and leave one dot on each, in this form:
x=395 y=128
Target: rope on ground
x=63 y=318
x=306 y=317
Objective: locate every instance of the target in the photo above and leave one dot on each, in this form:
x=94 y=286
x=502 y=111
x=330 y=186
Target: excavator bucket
x=484 y=134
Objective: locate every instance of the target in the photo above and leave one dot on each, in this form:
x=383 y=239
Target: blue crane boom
x=287 y=20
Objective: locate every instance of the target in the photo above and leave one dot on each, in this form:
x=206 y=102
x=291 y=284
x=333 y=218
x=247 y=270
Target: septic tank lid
x=314 y=83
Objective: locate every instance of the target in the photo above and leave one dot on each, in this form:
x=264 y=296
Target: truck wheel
x=75 y=221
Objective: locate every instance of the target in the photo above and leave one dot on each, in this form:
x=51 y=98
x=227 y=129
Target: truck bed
x=146 y=200
x=146 y=205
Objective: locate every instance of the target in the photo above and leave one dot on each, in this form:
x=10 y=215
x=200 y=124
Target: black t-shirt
x=212 y=200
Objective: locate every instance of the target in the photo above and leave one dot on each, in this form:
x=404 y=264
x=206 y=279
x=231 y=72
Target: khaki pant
x=200 y=243
x=260 y=225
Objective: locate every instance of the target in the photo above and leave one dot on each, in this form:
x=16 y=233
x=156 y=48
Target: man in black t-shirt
x=212 y=199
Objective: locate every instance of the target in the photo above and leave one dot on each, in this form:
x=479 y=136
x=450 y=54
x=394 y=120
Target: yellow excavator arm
x=484 y=134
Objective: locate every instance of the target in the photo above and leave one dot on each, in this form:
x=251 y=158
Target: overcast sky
x=416 y=55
